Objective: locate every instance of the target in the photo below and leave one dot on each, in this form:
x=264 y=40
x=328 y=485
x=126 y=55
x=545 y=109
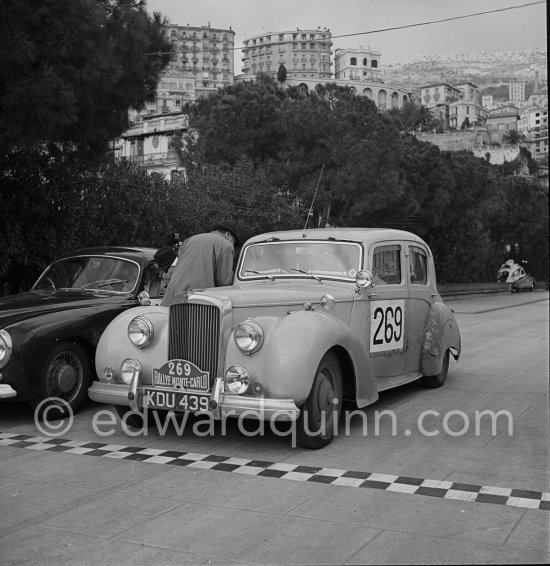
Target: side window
x=418 y=269
x=386 y=265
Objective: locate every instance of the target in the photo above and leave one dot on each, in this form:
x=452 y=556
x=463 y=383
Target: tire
x=439 y=379
x=325 y=397
x=67 y=374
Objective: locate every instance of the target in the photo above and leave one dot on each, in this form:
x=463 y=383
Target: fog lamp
x=236 y=380
x=127 y=369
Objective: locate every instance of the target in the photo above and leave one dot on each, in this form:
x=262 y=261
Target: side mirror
x=144 y=299
x=364 y=280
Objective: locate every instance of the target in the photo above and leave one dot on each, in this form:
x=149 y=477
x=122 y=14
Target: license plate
x=175 y=400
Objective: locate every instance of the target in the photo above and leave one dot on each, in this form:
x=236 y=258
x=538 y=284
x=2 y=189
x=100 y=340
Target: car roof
x=126 y=252
x=364 y=235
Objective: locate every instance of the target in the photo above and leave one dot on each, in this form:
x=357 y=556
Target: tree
x=413 y=118
x=71 y=69
x=513 y=137
x=281 y=74
x=241 y=119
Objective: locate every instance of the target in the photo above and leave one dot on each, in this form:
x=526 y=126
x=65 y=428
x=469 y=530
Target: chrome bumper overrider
x=223 y=404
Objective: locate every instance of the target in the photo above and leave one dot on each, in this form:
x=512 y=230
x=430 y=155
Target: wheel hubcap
x=65 y=378
x=326 y=395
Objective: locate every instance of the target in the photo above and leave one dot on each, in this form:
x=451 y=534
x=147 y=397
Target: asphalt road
x=434 y=482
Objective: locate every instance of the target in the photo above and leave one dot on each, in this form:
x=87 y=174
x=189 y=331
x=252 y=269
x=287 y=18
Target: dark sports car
x=524 y=283
x=48 y=335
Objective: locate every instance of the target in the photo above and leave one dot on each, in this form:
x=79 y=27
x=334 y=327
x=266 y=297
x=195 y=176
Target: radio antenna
x=310 y=211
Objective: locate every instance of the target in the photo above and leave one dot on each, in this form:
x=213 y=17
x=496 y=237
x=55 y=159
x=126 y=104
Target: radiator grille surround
x=194 y=335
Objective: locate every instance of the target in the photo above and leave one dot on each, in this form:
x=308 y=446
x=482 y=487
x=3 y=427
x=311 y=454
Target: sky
x=513 y=30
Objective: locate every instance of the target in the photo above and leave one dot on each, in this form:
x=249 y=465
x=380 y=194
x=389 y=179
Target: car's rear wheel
x=439 y=379
x=66 y=375
x=319 y=414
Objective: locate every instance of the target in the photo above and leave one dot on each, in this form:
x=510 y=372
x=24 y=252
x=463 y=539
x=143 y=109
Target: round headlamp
x=128 y=368
x=6 y=348
x=236 y=380
x=140 y=332
x=249 y=336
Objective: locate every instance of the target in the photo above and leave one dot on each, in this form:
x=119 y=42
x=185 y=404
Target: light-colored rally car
x=312 y=317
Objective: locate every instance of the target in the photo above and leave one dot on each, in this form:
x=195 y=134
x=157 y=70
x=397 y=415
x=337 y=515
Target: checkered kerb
x=523 y=498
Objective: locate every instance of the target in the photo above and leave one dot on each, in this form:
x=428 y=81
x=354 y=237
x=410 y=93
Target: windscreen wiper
x=306 y=273
x=260 y=273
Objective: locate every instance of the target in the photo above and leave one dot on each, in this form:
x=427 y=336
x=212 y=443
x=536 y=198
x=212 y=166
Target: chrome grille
x=194 y=335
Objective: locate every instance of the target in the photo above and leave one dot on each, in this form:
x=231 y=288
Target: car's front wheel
x=319 y=414
x=66 y=375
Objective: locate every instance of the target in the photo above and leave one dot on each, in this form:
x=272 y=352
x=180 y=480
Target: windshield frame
x=84 y=288
x=269 y=275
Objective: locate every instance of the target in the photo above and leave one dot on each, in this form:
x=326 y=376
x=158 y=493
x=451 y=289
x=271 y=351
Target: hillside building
x=357 y=65
x=307 y=58
x=203 y=62
x=203 y=54
x=487 y=101
x=304 y=53
x=148 y=143
x=533 y=124
x=465 y=114
x=516 y=91
x=501 y=120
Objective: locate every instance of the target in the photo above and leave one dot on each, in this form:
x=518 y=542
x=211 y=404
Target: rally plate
x=179 y=385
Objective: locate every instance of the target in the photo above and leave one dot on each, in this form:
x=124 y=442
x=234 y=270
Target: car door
x=421 y=297
x=387 y=312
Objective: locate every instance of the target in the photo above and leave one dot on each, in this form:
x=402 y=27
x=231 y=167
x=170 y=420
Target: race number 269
x=387 y=325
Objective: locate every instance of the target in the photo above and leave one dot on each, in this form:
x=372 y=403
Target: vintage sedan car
x=48 y=335
x=312 y=317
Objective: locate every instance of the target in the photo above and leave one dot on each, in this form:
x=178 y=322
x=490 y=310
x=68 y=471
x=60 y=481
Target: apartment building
x=202 y=62
x=533 y=124
x=307 y=58
x=203 y=54
x=516 y=91
x=501 y=120
x=357 y=64
x=304 y=53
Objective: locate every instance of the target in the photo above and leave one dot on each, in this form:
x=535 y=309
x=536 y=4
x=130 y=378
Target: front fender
x=440 y=334
x=293 y=347
x=114 y=346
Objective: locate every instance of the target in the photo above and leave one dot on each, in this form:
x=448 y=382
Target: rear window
x=418 y=266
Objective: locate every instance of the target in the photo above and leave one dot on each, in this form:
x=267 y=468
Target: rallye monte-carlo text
x=312 y=316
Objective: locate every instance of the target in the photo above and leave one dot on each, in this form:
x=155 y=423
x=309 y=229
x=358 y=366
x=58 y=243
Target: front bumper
x=223 y=405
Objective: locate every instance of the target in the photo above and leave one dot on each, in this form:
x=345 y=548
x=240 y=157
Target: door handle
x=371 y=295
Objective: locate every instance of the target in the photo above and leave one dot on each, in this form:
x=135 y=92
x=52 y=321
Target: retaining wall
x=452 y=289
